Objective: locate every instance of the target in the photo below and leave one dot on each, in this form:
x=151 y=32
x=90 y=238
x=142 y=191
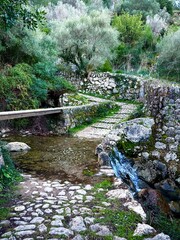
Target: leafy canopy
x=12 y=11
x=86 y=41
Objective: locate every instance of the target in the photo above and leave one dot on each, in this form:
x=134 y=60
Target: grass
x=168 y=226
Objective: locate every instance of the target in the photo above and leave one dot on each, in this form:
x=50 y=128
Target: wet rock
x=103 y=159
x=169 y=188
x=160 y=236
x=99 y=149
x=17 y=146
x=77 y=224
x=153 y=202
x=147 y=171
x=143 y=229
x=160 y=167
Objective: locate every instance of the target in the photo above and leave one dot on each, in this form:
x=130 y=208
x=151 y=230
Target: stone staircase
x=100 y=129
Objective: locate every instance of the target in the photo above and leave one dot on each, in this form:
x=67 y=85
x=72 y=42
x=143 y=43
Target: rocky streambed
x=65 y=195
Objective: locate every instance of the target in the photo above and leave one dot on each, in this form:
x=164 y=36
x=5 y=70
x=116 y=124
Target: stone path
x=103 y=127
x=55 y=210
x=59 y=210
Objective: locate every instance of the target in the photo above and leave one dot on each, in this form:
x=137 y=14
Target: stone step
x=103 y=125
x=110 y=120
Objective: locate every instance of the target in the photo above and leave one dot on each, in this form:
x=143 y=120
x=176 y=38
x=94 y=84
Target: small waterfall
x=123 y=169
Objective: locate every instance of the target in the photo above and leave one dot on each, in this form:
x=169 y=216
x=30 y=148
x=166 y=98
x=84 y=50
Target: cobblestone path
x=103 y=127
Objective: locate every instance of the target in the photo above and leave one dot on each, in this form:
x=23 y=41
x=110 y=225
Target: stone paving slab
x=103 y=127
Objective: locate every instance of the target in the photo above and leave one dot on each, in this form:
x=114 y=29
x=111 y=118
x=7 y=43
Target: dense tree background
x=38 y=38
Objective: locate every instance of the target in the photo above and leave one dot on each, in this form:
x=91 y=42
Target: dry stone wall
x=121 y=86
x=163 y=104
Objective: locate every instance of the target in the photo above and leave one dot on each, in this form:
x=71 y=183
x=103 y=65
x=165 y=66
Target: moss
x=88 y=172
x=127 y=147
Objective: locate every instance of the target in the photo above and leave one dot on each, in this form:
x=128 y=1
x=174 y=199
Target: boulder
x=17 y=146
x=143 y=229
x=153 y=202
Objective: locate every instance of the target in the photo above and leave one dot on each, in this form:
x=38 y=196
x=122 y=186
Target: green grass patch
x=121 y=223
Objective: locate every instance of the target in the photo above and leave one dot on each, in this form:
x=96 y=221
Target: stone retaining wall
x=163 y=104
x=79 y=115
x=121 y=86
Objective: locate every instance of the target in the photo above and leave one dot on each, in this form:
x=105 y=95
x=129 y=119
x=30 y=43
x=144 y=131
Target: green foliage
x=166 y=4
x=86 y=42
x=106 y=67
x=143 y=7
x=168 y=226
x=15 y=87
x=26 y=87
x=8 y=174
x=12 y=11
x=168 y=63
x=135 y=38
x=106 y=184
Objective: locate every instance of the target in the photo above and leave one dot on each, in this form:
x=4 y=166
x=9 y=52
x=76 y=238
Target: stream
x=65 y=158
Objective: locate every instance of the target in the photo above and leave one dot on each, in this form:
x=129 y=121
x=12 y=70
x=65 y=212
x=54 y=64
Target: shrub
x=168 y=63
x=134 y=37
x=143 y=7
x=166 y=4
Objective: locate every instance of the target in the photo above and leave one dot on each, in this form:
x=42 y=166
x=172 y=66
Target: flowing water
x=123 y=168
x=64 y=157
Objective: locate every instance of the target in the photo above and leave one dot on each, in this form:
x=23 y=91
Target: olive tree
x=169 y=55
x=86 y=41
